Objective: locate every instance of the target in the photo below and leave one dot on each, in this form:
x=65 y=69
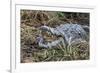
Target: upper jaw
x=44 y=28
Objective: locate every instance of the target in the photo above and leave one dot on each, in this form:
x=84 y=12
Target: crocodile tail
x=86 y=28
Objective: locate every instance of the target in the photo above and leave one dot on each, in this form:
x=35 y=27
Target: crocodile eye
x=79 y=33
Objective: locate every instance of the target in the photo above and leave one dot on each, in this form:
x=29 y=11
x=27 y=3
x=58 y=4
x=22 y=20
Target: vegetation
x=31 y=20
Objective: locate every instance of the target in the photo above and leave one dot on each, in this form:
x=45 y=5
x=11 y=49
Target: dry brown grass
x=31 y=20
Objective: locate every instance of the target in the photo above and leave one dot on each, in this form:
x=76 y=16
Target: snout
x=44 y=28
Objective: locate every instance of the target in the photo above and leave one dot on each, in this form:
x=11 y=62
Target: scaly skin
x=70 y=33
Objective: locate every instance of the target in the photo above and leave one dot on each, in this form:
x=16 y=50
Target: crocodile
x=70 y=34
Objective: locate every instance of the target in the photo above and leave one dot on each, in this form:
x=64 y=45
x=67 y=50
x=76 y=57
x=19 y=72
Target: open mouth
x=48 y=36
